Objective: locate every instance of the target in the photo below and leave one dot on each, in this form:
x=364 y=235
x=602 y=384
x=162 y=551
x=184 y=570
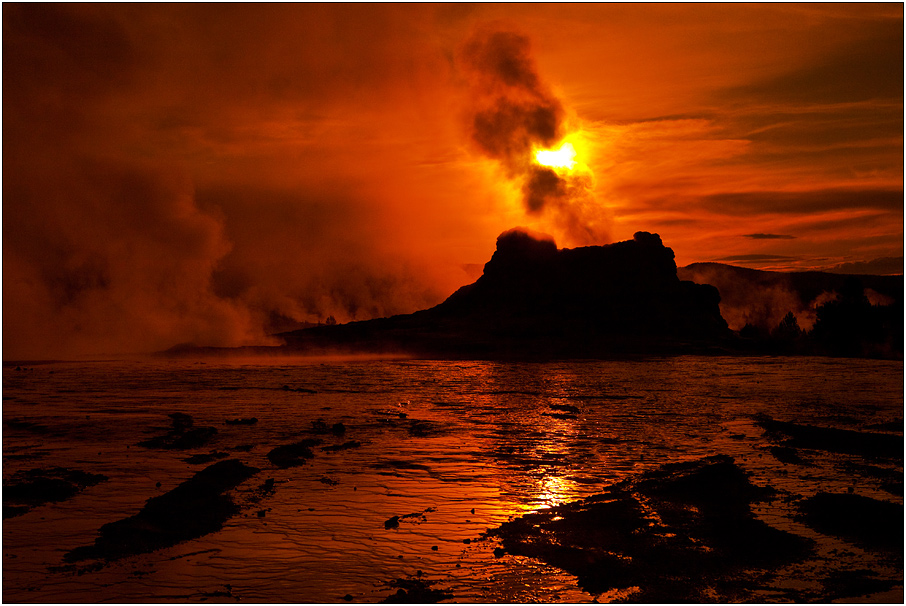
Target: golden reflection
x=553 y=490
x=538 y=443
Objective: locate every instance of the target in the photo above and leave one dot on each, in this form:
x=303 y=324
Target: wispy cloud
x=769 y=236
x=755 y=258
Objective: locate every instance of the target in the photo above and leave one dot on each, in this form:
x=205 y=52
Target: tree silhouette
x=847 y=325
x=787 y=336
x=788 y=329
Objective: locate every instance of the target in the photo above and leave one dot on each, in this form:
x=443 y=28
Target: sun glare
x=561 y=158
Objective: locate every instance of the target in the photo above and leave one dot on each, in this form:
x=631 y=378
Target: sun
x=560 y=158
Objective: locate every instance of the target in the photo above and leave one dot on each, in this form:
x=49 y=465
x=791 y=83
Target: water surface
x=466 y=445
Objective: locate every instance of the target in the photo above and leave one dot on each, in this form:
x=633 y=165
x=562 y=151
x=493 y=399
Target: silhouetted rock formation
x=535 y=300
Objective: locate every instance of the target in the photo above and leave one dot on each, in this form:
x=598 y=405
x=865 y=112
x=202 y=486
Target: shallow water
x=437 y=438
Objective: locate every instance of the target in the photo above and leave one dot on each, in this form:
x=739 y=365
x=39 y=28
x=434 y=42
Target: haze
x=211 y=174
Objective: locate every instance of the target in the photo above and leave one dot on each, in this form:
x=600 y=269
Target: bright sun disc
x=561 y=158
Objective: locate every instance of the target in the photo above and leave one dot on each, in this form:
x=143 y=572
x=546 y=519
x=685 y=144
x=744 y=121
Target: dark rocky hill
x=535 y=300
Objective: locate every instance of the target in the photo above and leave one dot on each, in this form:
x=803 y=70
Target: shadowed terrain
x=534 y=300
x=808 y=312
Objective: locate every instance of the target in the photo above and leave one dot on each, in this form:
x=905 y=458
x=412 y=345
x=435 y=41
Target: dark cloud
x=814 y=201
x=869 y=67
x=76 y=49
x=840 y=108
x=839 y=140
x=816 y=129
x=511 y=129
x=769 y=236
x=505 y=57
x=756 y=258
x=515 y=111
x=542 y=184
x=862 y=221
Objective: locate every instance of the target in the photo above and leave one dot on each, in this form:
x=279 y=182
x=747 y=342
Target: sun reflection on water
x=553 y=490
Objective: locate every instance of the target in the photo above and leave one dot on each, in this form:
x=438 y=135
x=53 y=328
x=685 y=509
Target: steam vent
x=535 y=300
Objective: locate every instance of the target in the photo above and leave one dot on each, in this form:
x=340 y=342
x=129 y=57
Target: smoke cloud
x=179 y=174
x=759 y=299
x=514 y=114
x=110 y=253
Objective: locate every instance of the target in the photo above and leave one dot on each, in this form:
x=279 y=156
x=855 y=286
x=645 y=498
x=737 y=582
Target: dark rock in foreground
x=871 y=523
x=182 y=435
x=195 y=508
x=863 y=443
x=416 y=591
x=242 y=421
x=293 y=455
x=36 y=487
x=860 y=582
x=683 y=533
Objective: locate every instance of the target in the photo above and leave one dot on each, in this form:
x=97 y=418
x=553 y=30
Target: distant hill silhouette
x=535 y=300
x=846 y=315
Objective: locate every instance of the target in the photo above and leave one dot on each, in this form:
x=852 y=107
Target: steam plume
x=514 y=114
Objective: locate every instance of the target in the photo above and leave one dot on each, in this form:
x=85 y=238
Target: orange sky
x=206 y=174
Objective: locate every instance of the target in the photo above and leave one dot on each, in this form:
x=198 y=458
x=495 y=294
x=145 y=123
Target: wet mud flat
x=684 y=532
x=515 y=496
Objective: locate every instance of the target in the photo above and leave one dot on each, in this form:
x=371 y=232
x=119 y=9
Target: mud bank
x=182 y=435
x=293 y=455
x=861 y=520
x=416 y=591
x=380 y=443
x=195 y=508
x=29 y=489
x=870 y=445
x=682 y=533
